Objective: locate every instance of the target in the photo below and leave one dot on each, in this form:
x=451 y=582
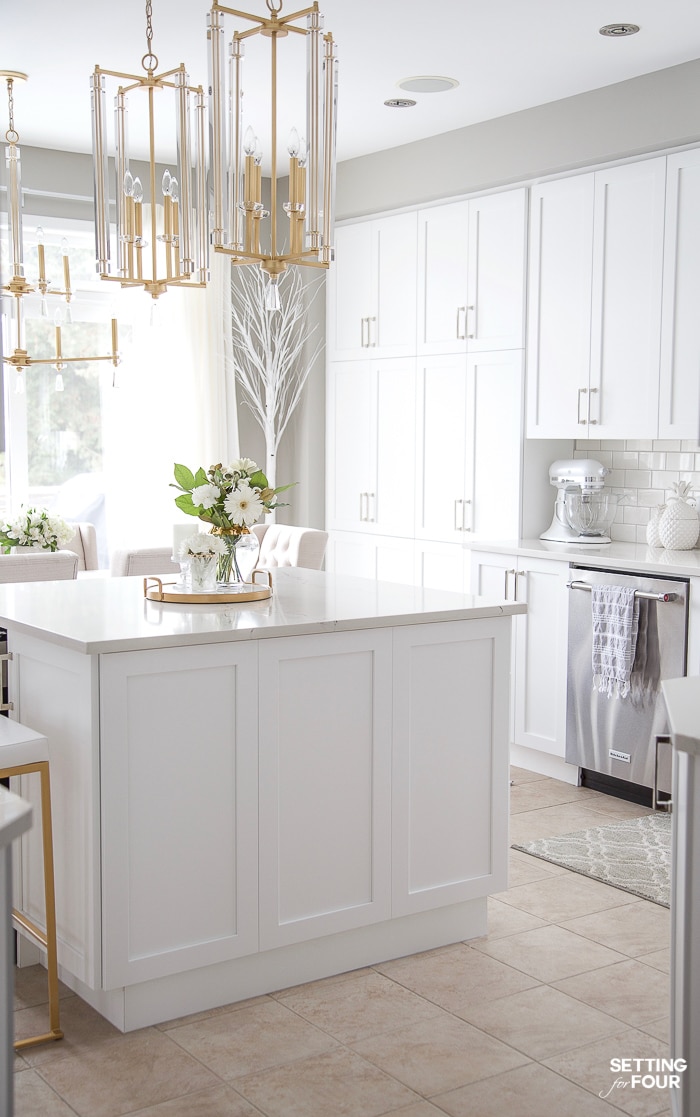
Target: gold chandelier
x=19 y=286
x=174 y=250
x=236 y=153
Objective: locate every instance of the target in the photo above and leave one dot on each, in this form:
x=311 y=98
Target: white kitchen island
x=251 y=796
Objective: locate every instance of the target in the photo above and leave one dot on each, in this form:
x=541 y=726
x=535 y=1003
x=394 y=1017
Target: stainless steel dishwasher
x=613 y=739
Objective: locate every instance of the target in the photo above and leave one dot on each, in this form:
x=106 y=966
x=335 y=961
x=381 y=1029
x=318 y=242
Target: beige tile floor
x=524 y=1021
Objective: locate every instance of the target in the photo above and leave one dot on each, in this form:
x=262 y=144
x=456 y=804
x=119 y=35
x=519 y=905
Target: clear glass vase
x=227 y=569
x=202 y=573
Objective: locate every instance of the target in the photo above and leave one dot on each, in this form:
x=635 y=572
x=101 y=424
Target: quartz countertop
x=112 y=615
x=612 y=556
x=683 y=705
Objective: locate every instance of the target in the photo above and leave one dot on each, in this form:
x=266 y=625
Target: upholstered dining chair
x=142 y=560
x=282 y=545
x=39 y=566
x=84 y=543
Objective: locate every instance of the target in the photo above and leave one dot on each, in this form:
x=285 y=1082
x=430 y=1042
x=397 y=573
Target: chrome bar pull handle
x=372 y=519
x=370 y=343
x=581 y=392
x=472 y=309
x=459 y=520
x=471 y=509
x=505 y=583
x=363 y=343
x=657 y=803
x=593 y=422
x=645 y=595
x=461 y=333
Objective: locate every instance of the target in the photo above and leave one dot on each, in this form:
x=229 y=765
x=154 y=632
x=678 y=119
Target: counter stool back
x=23 y=751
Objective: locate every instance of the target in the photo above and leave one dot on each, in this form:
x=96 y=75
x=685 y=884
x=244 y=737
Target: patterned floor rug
x=634 y=855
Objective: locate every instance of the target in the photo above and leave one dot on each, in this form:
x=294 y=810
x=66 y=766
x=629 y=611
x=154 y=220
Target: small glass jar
x=202 y=573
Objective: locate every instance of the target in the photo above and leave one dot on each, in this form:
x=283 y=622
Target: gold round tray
x=155 y=589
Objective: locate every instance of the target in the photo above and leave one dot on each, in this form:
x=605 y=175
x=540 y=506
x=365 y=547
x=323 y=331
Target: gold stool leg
x=49 y=939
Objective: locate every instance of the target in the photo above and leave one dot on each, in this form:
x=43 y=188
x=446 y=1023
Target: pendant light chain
x=11 y=135
x=149 y=60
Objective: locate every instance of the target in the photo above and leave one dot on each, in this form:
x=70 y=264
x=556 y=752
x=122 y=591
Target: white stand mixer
x=580 y=515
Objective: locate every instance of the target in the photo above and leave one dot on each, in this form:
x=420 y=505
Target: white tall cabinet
x=424 y=447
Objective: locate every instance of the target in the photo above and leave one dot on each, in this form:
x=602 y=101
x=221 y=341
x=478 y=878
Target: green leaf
x=184 y=477
x=186 y=504
x=283 y=488
x=258 y=480
x=200 y=477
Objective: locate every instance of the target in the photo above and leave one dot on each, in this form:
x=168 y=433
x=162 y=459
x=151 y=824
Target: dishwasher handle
x=644 y=594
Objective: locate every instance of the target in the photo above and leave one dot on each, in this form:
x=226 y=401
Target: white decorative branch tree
x=270 y=353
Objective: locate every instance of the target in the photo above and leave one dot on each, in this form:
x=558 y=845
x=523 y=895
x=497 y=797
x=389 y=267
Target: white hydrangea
x=205 y=495
x=202 y=543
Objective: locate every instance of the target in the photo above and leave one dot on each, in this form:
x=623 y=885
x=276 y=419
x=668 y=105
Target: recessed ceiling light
x=428 y=84
x=618 y=30
x=400 y=103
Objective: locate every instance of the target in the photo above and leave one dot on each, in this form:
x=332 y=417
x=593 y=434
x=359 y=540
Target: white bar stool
x=22 y=751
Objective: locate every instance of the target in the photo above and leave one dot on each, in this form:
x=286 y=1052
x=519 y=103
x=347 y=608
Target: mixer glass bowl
x=592 y=513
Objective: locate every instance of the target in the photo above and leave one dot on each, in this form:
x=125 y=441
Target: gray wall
x=645 y=114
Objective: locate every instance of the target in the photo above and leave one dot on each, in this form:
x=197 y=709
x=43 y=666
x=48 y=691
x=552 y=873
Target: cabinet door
x=352 y=295
x=392 y=332
x=441 y=513
x=450 y=762
x=493 y=575
x=497 y=230
x=539 y=706
x=393 y=454
x=351 y=490
x=179 y=809
x=325 y=806
x=679 y=391
x=493 y=451
x=559 y=312
x=626 y=300
x=443 y=245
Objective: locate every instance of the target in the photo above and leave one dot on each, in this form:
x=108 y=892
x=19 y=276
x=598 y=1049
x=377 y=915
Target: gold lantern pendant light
x=236 y=155
x=19 y=286
x=162 y=236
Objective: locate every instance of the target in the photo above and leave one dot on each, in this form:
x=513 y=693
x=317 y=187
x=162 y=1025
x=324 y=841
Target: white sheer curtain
x=174 y=402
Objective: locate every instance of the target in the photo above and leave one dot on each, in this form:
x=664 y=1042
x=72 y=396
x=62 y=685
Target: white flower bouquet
x=35 y=528
x=229 y=497
x=202 y=545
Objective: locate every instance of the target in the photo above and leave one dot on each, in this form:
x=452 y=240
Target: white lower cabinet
x=176 y=807
x=325 y=784
x=456 y=676
x=538 y=688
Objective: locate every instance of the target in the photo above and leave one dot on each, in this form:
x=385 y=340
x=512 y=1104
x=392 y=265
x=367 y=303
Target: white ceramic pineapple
x=679 y=525
x=653 y=537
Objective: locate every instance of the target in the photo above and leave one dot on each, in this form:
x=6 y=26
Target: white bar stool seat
x=23 y=751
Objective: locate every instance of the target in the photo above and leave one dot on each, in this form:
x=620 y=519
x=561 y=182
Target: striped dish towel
x=615 y=615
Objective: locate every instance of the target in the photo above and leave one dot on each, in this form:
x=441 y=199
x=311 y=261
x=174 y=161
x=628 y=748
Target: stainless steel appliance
x=613 y=739
x=583 y=510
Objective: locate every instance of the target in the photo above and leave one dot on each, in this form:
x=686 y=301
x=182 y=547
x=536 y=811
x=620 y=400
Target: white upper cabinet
x=559 y=307
x=679 y=389
x=471 y=265
x=372 y=289
x=628 y=224
x=595 y=282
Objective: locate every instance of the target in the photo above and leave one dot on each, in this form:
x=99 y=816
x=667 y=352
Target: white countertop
x=614 y=556
x=683 y=704
x=112 y=615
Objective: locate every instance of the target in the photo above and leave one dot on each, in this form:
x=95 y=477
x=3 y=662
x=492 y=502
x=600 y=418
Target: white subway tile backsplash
x=612 y=444
x=690 y=444
x=663 y=479
x=641 y=535
x=639 y=444
x=634 y=514
x=667 y=444
x=625 y=459
x=680 y=461
x=624 y=533
x=652 y=460
x=615 y=478
x=649 y=498
x=637 y=478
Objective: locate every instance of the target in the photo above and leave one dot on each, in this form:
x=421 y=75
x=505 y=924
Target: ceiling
x=507 y=55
